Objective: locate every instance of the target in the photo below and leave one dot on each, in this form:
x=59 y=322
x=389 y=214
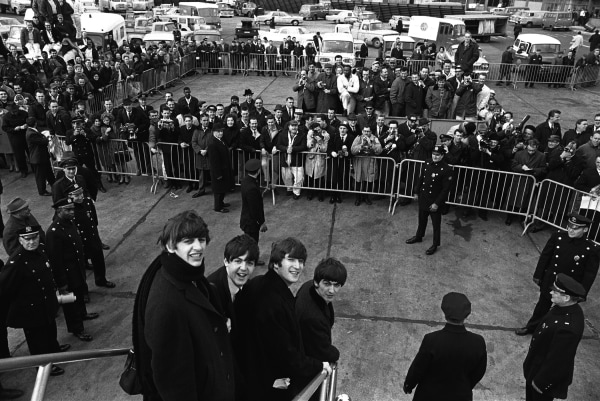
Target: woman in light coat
x=365 y=166
x=314 y=165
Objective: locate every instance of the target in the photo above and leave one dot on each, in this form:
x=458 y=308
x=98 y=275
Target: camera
x=67 y=298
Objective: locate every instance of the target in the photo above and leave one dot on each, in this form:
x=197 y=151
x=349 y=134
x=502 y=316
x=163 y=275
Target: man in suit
x=288 y=112
x=550 y=127
x=549 y=365
x=291 y=144
x=431 y=192
x=51 y=37
x=188 y=104
x=137 y=138
x=570 y=253
x=249 y=102
x=368 y=118
x=252 y=218
x=143 y=105
x=220 y=168
x=39 y=158
x=239 y=259
x=339 y=149
x=450 y=361
x=271 y=52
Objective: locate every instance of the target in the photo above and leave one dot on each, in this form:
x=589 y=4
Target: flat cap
x=252 y=165
x=456 y=306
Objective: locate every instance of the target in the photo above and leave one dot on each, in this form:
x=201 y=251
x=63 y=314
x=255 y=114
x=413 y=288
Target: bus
x=210 y=12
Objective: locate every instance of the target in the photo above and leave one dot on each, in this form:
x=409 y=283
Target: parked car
x=401 y=20
x=339 y=17
x=280 y=17
x=246 y=30
x=206 y=31
x=19 y=6
x=313 y=11
x=298 y=32
x=89 y=6
x=528 y=19
x=527 y=44
x=5 y=24
x=226 y=10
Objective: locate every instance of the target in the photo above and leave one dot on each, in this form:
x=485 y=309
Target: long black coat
x=191 y=356
x=551 y=357
x=26 y=283
x=38 y=147
x=450 y=362
x=434 y=184
x=65 y=251
x=265 y=310
x=253 y=213
x=316 y=318
x=220 y=166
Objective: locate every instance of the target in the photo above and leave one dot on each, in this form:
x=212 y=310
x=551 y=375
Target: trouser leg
x=298 y=174
x=4 y=350
x=74 y=313
x=19 y=146
x=42 y=339
x=436 y=221
x=423 y=215
x=253 y=231
x=40 y=181
x=93 y=250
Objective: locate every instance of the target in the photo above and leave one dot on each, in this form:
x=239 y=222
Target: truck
x=483 y=26
x=370 y=29
x=97 y=26
x=337 y=44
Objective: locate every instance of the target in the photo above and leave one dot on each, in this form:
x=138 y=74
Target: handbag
x=129 y=381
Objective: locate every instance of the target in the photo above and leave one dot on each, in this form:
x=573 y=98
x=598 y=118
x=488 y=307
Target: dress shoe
x=102 y=189
x=357 y=202
x=56 y=371
x=332 y=200
x=296 y=197
x=83 y=336
x=309 y=196
x=222 y=210
x=10 y=393
x=414 y=240
x=63 y=348
x=198 y=194
x=431 y=250
x=106 y=284
x=368 y=200
x=289 y=193
x=91 y=316
x=225 y=204
x=46 y=194
x=105 y=247
x=523 y=331
x=23 y=175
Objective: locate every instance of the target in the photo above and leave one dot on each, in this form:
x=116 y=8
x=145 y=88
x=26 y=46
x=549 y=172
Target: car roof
x=101 y=24
x=196 y=5
x=537 y=38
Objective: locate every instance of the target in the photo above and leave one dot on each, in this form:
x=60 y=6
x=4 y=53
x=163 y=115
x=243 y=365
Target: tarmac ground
x=393 y=293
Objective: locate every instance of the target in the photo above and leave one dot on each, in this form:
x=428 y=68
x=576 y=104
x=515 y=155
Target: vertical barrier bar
x=41 y=382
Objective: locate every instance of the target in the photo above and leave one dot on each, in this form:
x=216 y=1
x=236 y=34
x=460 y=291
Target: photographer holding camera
x=27 y=284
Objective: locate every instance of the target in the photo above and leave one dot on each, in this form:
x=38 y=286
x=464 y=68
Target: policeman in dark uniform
x=252 y=219
x=66 y=254
x=86 y=221
x=550 y=361
x=431 y=192
x=27 y=284
x=20 y=216
x=570 y=253
x=82 y=140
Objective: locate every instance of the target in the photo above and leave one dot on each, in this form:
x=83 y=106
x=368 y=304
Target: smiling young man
x=314 y=308
x=271 y=354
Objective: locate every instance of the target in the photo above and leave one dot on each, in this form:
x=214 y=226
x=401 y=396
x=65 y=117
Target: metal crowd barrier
x=555 y=201
x=239 y=63
x=239 y=157
x=326 y=384
x=543 y=74
x=499 y=191
x=585 y=76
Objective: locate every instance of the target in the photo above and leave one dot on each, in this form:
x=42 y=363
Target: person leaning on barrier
x=348 y=86
x=450 y=361
x=314 y=166
x=339 y=151
x=549 y=365
x=276 y=366
x=291 y=144
x=180 y=337
x=27 y=285
x=585 y=155
x=431 y=191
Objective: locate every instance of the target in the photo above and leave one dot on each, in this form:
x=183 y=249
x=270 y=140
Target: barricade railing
x=239 y=157
x=179 y=163
x=320 y=173
x=494 y=190
x=240 y=63
x=557 y=75
x=555 y=201
x=585 y=76
x=326 y=384
x=188 y=64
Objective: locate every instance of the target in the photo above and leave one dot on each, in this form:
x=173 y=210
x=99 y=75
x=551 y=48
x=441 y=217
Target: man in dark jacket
x=414 y=95
x=39 y=158
x=467 y=54
x=451 y=361
x=276 y=366
x=252 y=218
x=220 y=169
x=549 y=127
x=431 y=192
x=506 y=66
x=550 y=362
x=14 y=124
x=314 y=309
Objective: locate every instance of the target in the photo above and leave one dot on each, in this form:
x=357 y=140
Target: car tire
x=376 y=43
x=295 y=22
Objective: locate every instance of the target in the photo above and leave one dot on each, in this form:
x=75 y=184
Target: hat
x=235 y=97
x=423 y=121
x=64 y=163
x=212 y=107
x=252 y=165
x=456 y=306
x=27 y=231
x=554 y=138
x=74 y=189
x=201 y=103
x=493 y=91
x=16 y=204
x=127 y=102
x=248 y=92
x=352 y=117
x=217 y=127
x=143 y=96
x=54 y=86
x=279 y=107
x=578 y=220
x=493 y=137
x=568 y=286
x=443 y=137
x=68 y=154
x=439 y=149
x=369 y=104
x=30 y=121
x=66 y=203
x=77 y=121
x=328 y=65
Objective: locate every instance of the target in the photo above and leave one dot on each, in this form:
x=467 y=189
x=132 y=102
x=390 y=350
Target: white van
x=527 y=44
x=112 y=5
x=97 y=27
x=335 y=44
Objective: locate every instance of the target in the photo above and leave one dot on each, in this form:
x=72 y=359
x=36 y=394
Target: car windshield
x=9 y=21
x=376 y=25
x=337 y=46
x=15 y=32
x=547 y=48
x=211 y=38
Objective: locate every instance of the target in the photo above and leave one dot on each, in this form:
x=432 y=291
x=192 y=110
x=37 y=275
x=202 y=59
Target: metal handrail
x=26 y=362
x=327 y=384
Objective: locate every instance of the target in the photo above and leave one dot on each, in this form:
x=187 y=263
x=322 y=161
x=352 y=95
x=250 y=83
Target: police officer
x=26 y=282
x=86 y=220
x=66 y=254
x=70 y=168
x=570 y=253
x=431 y=192
x=20 y=216
x=549 y=365
x=252 y=218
